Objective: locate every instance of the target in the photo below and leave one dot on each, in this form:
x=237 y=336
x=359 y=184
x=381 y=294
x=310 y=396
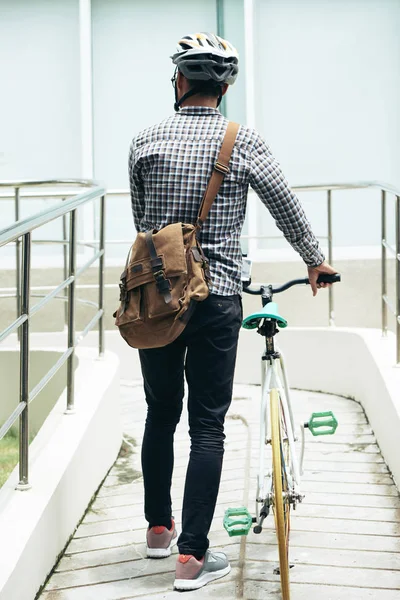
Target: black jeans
x=206 y=352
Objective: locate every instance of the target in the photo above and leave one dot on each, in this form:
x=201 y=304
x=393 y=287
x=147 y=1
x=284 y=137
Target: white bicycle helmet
x=205 y=57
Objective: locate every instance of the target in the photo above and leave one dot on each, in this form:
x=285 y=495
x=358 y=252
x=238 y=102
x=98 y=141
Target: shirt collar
x=198 y=110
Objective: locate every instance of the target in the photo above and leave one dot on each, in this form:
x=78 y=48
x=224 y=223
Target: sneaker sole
x=195 y=584
x=161 y=552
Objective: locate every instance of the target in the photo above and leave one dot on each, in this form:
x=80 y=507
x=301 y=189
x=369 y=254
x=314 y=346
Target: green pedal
x=237 y=521
x=322 y=423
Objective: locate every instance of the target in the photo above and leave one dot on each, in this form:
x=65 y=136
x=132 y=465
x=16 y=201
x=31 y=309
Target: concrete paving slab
x=341 y=541
x=331 y=557
x=139 y=587
x=322 y=524
x=104 y=541
x=260 y=590
x=116 y=571
x=351 y=467
x=320 y=498
x=319 y=575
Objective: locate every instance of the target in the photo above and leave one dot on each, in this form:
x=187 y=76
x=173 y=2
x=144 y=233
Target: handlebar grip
x=325 y=278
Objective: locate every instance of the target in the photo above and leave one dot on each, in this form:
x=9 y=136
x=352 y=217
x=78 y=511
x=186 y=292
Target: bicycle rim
x=281 y=504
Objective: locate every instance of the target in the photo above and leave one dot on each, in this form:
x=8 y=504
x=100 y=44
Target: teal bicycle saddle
x=270 y=311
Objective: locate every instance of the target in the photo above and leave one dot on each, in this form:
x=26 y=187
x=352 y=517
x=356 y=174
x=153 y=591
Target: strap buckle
x=123 y=292
x=156 y=263
x=221 y=168
x=163 y=286
x=159 y=274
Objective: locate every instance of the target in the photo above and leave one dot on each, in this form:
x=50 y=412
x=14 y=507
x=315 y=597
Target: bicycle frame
x=273 y=376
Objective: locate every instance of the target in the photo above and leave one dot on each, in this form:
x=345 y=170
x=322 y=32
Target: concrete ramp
x=345 y=538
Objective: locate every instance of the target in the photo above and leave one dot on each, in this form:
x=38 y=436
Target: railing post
x=17 y=257
x=65 y=264
x=24 y=367
x=398 y=279
x=71 y=313
x=330 y=256
x=383 y=264
x=101 y=274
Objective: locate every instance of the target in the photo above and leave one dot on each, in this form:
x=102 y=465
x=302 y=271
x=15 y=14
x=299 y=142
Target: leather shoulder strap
x=221 y=168
x=157 y=266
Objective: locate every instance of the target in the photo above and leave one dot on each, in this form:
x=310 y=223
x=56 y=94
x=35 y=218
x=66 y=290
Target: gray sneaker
x=192 y=574
x=160 y=540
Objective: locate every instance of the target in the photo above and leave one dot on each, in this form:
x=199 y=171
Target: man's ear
x=224 y=89
x=182 y=82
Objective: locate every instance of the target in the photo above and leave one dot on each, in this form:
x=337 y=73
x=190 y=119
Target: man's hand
x=314 y=272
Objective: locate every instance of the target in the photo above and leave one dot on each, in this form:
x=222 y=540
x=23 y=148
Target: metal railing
x=386 y=249
x=385 y=189
x=20 y=233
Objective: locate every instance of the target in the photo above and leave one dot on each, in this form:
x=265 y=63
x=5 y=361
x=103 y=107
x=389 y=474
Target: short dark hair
x=206 y=88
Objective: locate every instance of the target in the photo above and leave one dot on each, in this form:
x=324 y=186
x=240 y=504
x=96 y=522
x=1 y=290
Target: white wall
x=328 y=79
x=233 y=30
x=132 y=45
x=69 y=459
x=356 y=363
x=39 y=99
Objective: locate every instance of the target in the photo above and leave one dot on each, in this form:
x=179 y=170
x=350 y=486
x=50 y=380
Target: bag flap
x=170 y=248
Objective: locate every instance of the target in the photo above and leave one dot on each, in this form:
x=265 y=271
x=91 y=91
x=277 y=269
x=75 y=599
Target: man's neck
x=200 y=101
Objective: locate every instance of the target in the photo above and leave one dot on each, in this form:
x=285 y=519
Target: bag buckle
x=224 y=169
x=156 y=263
x=122 y=292
x=163 y=286
x=161 y=281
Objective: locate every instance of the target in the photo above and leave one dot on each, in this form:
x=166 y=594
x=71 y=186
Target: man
x=170 y=165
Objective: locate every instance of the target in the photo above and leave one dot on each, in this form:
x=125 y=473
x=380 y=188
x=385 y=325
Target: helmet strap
x=192 y=92
x=188 y=94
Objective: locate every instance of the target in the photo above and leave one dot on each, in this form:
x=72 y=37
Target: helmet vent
x=205 y=57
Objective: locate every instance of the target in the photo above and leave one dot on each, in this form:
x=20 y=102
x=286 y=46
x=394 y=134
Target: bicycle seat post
x=266 y=294
x=268 y=330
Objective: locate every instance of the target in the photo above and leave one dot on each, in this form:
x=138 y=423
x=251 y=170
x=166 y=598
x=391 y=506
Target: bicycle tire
x=281 y=504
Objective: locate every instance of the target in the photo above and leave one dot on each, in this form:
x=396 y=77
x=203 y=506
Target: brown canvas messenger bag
x=166 y=272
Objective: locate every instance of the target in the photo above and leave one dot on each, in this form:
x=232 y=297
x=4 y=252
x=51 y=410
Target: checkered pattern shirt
x=169 y=168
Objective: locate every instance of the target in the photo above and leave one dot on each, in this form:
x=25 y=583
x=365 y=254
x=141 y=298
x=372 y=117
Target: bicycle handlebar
x=323 y=278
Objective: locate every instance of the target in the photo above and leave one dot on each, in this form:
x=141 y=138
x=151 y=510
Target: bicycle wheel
x=280 y=491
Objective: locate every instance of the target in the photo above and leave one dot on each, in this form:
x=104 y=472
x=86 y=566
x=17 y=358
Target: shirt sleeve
x=136 y=187
x=267 y=180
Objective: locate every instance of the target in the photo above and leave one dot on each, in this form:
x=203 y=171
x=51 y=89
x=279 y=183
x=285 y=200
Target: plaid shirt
x=169 y=167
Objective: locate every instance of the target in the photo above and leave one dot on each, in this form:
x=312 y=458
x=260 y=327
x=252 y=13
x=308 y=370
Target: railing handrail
x=37 y=182
x=19 y=228
x=322 y=187
x=21 y=233
x=16 y=230
x=325 y=187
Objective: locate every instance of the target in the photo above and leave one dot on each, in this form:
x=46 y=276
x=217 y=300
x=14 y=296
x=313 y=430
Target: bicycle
x=279 y=486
